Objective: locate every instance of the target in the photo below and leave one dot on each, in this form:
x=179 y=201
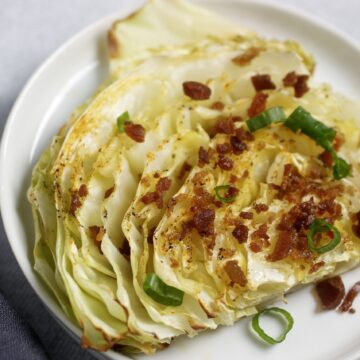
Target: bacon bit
x=241 y=233
x=326 y=158
x=225 y=126
x=196 y=90
x=259 y=238
x=244 y=135
x=161 y=187
x=330 y=208
x=235 y=273
x=203 y=157
x=246 y=57
x=184 y=170
x=356 y=225
x=75 y=203
x=237 y=145
x=246 y=215
x=83 y=191
x=125 y=250
x=199 y=177
x=223 y=148
x=338 y=141
x=217 y=105
x=290 y=79
x=225 y=163
x=283 y=245
x=330 y=292
x=108 y=192
x=299 y=82
x=301 y=86
x=225 y=253
x=258 y=104
x=262 y=82
x=346 y=305
x=237 y=118
x=135 y=132
x=292 y=183
x=316 y=267
x=260 y=207
x=203 y=221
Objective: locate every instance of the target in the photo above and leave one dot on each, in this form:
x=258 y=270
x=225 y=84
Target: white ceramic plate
x=69 y=76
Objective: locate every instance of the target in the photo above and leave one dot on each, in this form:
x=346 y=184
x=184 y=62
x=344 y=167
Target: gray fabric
x=30 y=30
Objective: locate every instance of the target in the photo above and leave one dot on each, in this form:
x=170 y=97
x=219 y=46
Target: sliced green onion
x=122 y=120
x=161 y=292
x=300 y=119
x=272 y=311
x=320 y=226
x=341 y=168
x=272 y=115
x=221 y=190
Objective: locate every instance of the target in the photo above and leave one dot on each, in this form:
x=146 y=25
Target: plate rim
x=43 y=294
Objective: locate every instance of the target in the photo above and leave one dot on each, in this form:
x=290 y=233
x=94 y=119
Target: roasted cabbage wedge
x=182 y=189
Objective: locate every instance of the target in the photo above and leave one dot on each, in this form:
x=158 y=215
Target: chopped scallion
x=161 y=292
x=285 y=315
x=272 y=115
x=320 y=226
x=222 y=191
x=122 y=120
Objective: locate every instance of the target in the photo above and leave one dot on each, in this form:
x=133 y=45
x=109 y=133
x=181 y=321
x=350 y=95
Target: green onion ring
x=321 y=225
x=122 y=120
x=269 y=116
x=223 y=188
x=273 y=311
x=161 y=292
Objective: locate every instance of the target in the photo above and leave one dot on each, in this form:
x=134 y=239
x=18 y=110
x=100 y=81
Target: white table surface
x=30 y=30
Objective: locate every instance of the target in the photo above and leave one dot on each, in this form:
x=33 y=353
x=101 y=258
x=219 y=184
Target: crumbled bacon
x=258 y=207
x=258 y=104
x=156 y=196
x=301 y=86
x=231 y=192
x=203 y=157
x=225 y=126
x=299 y=82
x=184 y=170
x=262 y=82
x=224 y=148
x=290 y=79
x=225 y=163
x=241 y=233
x=203 y=221
x=316 y=267
x=259 y=239
x=346 y=305
x=237 y=145
x=246 y=215
x=326 y=158
x=283 y=245
x=75 y=203
x=196 y=90
x=246 y=57
x=217 y=105
x=243 y=134
x=135 y=132
x=235 y=273
x=356 y=224
x=330 y=292
x=83 y=191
